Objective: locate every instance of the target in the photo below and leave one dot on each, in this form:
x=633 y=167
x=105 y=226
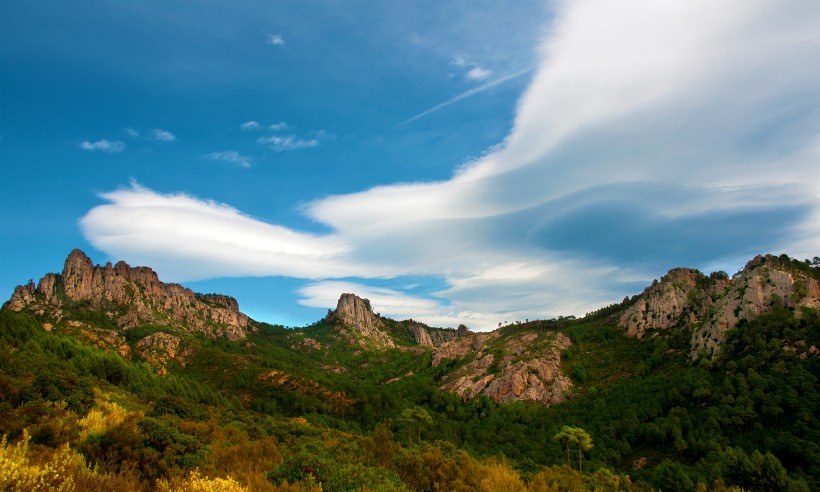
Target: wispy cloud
x=478 y=73
x=159 y=135
x=279 y=143
x=249 y=125
x=278 y=126
x=108 y=146
x=475 y=72
x=468 y=93
x=231 y=156
x=275 y=40
x=156 y=134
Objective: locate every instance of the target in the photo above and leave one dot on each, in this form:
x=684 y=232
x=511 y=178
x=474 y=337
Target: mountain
x=696 y=379
x=520 y=362
x=128 y=297
x=710 y=306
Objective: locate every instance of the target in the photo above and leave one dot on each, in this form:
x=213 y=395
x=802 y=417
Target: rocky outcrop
x=713 y=305
x=433 y=337
x=359 y=324
x=158 y=349
x=762 y=284
x=673 y=300
x=420 y=335
x=130 y=297
x=520 y=366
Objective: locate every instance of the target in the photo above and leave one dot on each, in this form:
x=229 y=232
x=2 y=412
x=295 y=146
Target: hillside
x=698 y=379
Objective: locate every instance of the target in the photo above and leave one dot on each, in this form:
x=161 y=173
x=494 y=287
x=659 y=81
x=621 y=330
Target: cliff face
x=433 y=337
x=130 y=297
x=714 y=305
x=523 y=366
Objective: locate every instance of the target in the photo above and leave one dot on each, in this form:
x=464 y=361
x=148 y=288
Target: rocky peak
x=359 y=323
x=662 y=304
x=130 y=297
x=356 y=310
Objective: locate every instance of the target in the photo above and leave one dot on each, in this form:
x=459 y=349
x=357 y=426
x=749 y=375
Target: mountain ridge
x=335 y=404
x=504 y=364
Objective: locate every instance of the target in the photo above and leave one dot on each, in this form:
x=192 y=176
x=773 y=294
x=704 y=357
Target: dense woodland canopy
x=77 y=417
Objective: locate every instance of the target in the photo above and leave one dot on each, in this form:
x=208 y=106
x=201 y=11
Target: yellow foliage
x=99 y=421
x=297 y=487
x=498 y=477
x=247 y=461
x=557 y=478
x=57 y=473
x=195 y=482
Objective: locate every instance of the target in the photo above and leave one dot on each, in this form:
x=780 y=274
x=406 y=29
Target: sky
x=474 y=162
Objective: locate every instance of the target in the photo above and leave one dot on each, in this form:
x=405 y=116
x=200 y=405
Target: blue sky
x=456 y=162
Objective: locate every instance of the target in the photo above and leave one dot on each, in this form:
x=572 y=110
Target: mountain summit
x=129 y=297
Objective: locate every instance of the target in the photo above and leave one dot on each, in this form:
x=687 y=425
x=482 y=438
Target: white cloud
x=275 y=40
x=108 y=146
x=459 y=61
x=652 y=135
x=478 y=73
x=215 y=238
x=231 y=156
x=279 y=143
x=160 y=135
x=249 y=125
x=131 y=132
x=278 y=126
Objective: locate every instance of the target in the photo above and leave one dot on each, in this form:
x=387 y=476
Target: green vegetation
x=303 y=409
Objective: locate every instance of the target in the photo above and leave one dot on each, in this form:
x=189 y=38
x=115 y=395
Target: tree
x=418 y=416
x=575 y=435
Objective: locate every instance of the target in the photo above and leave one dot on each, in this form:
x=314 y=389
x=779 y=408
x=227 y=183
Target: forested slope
x=316 y=407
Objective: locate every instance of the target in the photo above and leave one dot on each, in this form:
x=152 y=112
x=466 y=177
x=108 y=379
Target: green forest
x=641 y=416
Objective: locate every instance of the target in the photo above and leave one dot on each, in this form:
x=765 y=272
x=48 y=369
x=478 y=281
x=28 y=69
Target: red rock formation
x=359 y=324
x=131 y=297
x=528 y=367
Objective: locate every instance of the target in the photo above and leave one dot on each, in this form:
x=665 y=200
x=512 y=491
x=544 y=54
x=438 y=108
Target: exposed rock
x=158 y=349
x=524 y=366
x=432 y=337
x=420 y=335
x=359 y=323
x=662 y=305
x=462 y=346
x=130 y=297
x=306 y=343
x=754 y=291
x=712 y=306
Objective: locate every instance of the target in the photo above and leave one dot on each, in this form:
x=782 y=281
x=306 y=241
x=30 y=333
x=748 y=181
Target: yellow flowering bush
x=195 y=482
x=19 y=472
x=99 y=420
